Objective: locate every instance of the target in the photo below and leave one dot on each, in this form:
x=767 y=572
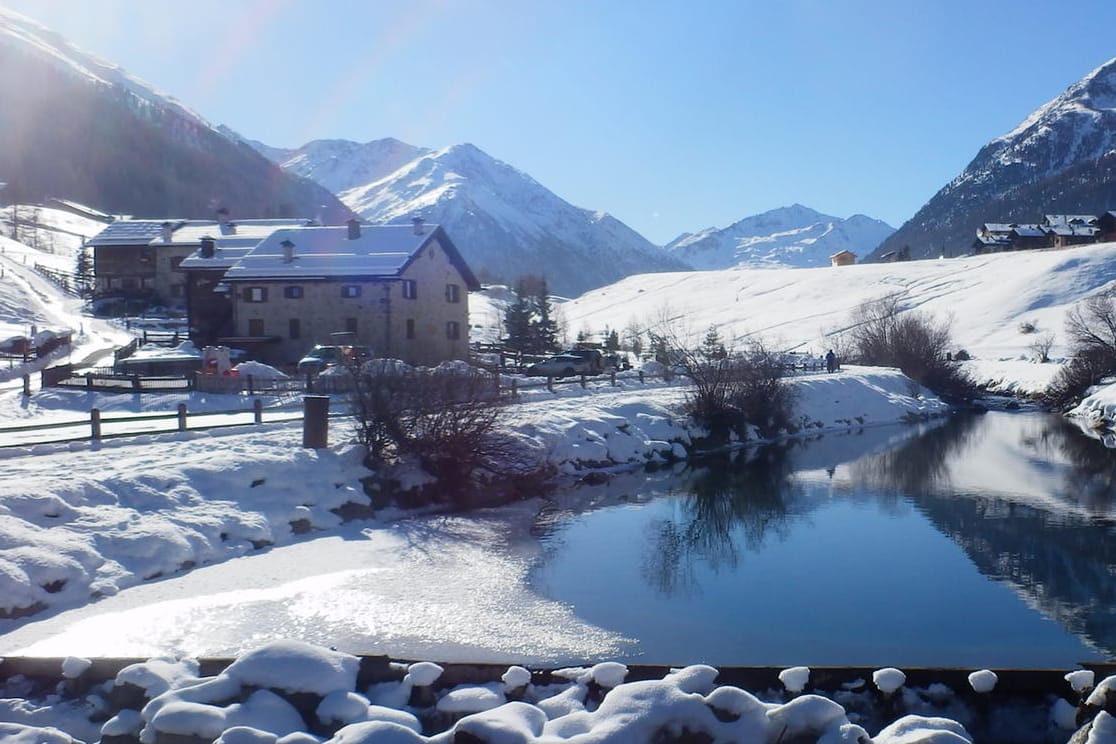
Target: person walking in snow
x=830 y=361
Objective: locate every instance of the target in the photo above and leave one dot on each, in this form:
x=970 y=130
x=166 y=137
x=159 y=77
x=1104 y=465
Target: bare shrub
x=446 y=417
x=1041 y=347
x=1091 y=328
x=883 y=334
x=730 y=388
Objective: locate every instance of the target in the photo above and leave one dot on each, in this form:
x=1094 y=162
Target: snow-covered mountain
x=505 y=223
x=794 y=236
x=340 y=165
x=1060 y=160
x=78 y=127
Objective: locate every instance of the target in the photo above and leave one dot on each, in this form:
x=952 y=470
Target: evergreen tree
x=83 y=272
x=712 y=347
x=612 y=340
x=517 y=322
x=546 y=328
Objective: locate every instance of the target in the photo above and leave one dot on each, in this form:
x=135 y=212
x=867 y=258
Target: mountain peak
x=1059 y=159
x=794 y=236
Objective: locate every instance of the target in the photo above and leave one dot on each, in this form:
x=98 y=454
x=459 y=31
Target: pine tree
x=83 y=272
x=546 y=328
x=712 y=347
x=612 y=340
x=517 y=322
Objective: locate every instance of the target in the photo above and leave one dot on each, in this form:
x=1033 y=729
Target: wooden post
x=95 y=423
x=515 y=388
x=26 y=384
x=612 y=377
x=88 y=379
x=257 y=410
x=251 y=388
x=641 y=377
x=550 y=384
x=583 y=382
x=315 y=421
x=135 y=382
x=182 y=417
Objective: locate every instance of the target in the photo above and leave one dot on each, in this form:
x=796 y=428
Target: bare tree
x=1091 y=328
x=1041 y=347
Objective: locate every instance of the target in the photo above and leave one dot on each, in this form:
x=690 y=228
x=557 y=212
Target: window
x=295 y=328
x=410 y=328
x=453 y=293
x=255 y=294
x=410 y=289
x=255 y=327
x=293 y=292
x=453 y=330
x=351 y=325
x=350 y=291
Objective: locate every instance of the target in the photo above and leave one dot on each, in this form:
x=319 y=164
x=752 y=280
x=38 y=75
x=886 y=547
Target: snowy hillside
x=80 y=128
x=506 y=223
x=988 y=297
x=1060 y=160
x=794 y=236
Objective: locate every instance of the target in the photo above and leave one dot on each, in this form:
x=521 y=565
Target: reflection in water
x=1091 y=478
x=919 y=465
x=1028 y=499
x=742 y=500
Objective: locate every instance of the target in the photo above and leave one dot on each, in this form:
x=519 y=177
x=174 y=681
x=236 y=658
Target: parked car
x=562 y=365
x=322 y=356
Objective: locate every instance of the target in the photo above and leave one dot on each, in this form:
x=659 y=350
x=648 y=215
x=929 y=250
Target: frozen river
x=447 y=588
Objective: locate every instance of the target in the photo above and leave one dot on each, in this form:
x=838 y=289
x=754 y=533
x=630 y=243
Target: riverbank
x=87 y=520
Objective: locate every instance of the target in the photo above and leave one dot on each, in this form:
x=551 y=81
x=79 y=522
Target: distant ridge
x=794 y=236
x=1060 y=160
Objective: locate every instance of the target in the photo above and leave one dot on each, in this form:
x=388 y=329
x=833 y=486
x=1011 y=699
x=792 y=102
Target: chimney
x=168 y=232
x=354 y=229
x=417 y=222
x=208 y=247
x=288 y=251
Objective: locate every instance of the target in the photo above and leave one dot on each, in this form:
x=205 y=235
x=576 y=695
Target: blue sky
x=672 y=116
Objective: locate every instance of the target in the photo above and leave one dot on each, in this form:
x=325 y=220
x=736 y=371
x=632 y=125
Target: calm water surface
x=983 y=541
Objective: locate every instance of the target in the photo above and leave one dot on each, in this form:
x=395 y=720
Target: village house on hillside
x=277 y=287
x=401 y=290
x=140 y=259
x=842 y=258
x=1055 y=231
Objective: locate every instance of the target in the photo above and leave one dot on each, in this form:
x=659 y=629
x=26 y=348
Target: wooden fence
x=136 y=425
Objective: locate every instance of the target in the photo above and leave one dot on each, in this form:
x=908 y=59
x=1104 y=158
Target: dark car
x=321 y=357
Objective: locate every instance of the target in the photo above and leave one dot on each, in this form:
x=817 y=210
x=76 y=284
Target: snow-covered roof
x=378 y=251
x=245 y=232
x=1072 y=230
x=997 y=227
x=1069 y=219
x=131 y=232
x=1028 y=231
x=843 y=253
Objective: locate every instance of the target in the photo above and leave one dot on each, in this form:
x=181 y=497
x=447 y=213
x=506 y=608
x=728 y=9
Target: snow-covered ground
x=80 y=520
